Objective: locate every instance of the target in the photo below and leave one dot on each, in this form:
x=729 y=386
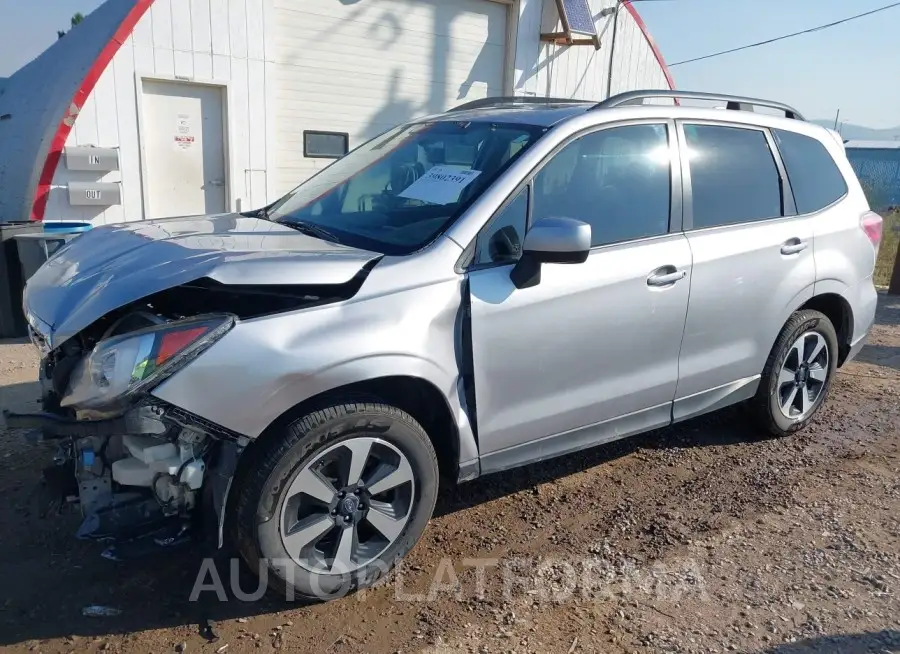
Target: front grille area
x=188 y=419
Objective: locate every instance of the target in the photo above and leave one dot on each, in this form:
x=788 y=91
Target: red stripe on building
x=655 y=48
x=126 y=27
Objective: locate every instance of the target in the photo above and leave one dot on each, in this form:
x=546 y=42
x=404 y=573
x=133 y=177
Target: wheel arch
x=840 y=313
x=419 y=397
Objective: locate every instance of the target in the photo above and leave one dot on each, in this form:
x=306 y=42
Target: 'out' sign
x=103 y=194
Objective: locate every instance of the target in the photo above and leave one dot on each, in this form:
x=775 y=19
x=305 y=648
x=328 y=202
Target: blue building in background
x=877 y=164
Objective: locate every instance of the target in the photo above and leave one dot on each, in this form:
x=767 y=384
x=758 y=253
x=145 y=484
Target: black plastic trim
x=788 y=203
x=138 y=423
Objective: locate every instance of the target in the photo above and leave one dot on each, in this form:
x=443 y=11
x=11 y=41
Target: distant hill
x=851 y=131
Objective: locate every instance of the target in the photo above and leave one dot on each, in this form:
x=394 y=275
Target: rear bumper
x=863 y=301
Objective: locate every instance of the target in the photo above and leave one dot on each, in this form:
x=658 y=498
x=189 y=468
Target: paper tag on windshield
x=441 y=184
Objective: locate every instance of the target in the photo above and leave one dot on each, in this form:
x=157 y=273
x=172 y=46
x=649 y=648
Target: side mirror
x=551 y=240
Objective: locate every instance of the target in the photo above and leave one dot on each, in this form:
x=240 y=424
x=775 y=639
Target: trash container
x=66 y=227
x=12 y=320
x=36 y=248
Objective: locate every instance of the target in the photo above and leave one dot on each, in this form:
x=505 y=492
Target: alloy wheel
x=347 y=505
x=802 y=378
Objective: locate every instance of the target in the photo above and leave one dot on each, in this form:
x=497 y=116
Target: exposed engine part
x=172 y=471
x=131 y=486
x=92 y=458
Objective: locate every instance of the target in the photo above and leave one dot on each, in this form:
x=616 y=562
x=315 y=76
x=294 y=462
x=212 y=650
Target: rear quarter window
x=815 y=178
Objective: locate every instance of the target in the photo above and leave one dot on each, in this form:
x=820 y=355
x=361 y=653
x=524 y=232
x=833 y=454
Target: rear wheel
x=798 y=373
x=338 y=501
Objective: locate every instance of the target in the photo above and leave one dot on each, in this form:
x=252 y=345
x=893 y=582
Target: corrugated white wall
x=362 y=68
x=544 y=69
x=243 y=43
x=218 y=41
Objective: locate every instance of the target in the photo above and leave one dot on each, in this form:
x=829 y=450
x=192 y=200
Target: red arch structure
x=58 y=142
x=653 y=47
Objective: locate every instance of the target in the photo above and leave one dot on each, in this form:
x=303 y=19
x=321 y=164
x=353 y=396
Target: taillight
x=872 y=225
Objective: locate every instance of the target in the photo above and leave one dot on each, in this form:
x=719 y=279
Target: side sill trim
x=578 y=439
x=715 y=398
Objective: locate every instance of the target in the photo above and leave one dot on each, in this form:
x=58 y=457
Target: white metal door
x=184 y=138
x=361 y=68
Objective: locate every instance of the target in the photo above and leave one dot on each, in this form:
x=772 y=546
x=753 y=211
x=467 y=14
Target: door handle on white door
x=659 y=278
x=793 y=246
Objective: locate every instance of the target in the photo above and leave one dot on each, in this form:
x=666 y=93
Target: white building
x=153 y=108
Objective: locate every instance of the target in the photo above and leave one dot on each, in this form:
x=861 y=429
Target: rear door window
x=734 y=178
x=815 y=178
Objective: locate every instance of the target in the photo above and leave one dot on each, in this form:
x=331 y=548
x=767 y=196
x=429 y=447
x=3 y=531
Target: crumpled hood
x=109 y=267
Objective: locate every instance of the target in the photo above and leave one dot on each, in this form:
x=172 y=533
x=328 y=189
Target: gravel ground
x=705 y=537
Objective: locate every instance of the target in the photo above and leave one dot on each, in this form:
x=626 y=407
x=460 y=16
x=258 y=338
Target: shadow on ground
x=880 y=355
x=880 y=642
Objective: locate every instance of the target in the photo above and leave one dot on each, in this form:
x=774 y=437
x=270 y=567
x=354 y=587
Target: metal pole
x=836 y=117
x=894 y=285
x=612 y=48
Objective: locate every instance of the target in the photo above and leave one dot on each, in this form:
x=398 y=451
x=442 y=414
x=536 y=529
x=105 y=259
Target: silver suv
x=503 y=283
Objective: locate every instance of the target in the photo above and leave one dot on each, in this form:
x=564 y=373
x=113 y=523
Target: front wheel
x=337 y=501
x=798 y=373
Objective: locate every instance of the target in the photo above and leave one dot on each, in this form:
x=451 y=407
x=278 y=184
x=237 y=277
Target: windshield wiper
x=312 y=229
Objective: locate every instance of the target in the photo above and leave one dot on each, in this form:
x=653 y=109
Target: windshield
x=397 y=192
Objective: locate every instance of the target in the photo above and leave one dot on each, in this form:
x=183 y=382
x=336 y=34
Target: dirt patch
x=705 y=537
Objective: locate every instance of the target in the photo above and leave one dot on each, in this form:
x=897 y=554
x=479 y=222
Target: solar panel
x=578 y=15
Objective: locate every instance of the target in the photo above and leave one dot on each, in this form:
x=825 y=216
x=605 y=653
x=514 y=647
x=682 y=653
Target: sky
x=852 y=67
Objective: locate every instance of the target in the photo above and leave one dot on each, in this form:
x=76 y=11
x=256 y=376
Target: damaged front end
x=121 y=309
x=138 y=467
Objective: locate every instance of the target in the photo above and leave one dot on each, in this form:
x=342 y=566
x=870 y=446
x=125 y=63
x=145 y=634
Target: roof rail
x=734 y=102
x=506 y=101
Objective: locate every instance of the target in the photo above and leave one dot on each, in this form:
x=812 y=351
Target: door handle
x=793 y=246
x=217 y=182
x=659 y=278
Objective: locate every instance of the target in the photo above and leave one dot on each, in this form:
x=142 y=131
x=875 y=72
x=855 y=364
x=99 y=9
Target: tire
x=775 y=390
x=318 y=447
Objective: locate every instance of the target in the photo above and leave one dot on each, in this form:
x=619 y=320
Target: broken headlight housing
x=123 y=366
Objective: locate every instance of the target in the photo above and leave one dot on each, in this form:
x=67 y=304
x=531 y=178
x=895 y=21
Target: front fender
x=265 y=367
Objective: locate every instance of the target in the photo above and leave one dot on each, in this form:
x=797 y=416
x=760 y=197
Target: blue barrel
x=66 y=227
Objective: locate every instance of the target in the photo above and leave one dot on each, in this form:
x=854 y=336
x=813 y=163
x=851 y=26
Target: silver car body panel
x=844 y=257
x=403 y=322
x=743 y=290
x=590 y=354
x=539 y=372
x=109 y=267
